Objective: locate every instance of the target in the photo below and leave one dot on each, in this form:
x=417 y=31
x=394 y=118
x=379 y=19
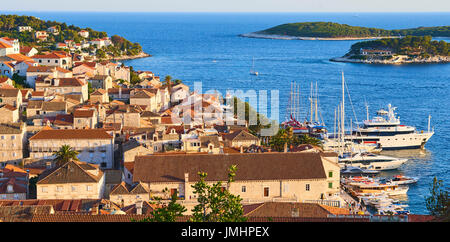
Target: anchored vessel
x=369 y=161
x=389 y=133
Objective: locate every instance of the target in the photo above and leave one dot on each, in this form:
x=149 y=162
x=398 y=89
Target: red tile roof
x=72 y=134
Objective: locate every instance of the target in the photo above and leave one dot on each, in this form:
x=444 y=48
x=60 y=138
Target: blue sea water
x=205 y=47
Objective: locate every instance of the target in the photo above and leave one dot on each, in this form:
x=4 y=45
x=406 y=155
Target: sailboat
x=252 y=71
x=361 y=158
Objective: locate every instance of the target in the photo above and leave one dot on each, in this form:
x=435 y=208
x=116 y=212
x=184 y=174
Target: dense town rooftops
x=11 y=128
x=71 y=134
x=250 y=166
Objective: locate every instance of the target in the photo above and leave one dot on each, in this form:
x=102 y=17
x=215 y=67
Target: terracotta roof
x=129 y=166
x=71 y=172
x=288 y=209
x=10 y=128
x=70 y=82
x=9 y=107
x=72 y=134
x=35 y=104
x=63 y=119
x=240 y=135
x=4 y=79
x=4 y=45
x=99 y=92
x=54 y=106
x=19 y=57
x=7 y=92
x=250 y=166
x=83 y=113
x=53 y=55
x=23 y=213
x=87 y=218
x=40 y=69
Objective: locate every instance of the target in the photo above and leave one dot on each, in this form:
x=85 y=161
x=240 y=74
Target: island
x=336 y=31
x=409 y=49
x=46 y=36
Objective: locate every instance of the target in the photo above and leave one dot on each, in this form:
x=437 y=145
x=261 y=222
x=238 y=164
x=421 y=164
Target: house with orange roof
x=95 y=146
x=41 y=35
x=84 y=33
x=85 y=118
x=12 y=142
x=8 y=114
x=33 y=72
x=11 y=96
x=85 y=68
x=125 y=194
x=73 y=180
x=13 y=183
x=6 y=80
x=55 y=58
x=7 y=68
x=28 y=51
x=64 y=86
x=53 y=29
x=9 y=46
x=99 y=96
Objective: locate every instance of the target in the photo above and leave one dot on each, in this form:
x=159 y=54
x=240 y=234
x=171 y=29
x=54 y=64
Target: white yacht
x=389 y=133
x=369 y=161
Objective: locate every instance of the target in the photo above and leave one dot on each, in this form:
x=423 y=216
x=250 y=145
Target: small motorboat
x=357 y=171
x=404 y=180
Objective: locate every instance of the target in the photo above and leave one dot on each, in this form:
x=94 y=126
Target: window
x=173 y=191
x=266 y=191
x=13 y=137
x=74 y=188
x=44 y=189
x=59 y=188
x=88 y=188
x=330 y=174
x=330 y=185
x=286 y=188
x=307 y=187
x=244 y=189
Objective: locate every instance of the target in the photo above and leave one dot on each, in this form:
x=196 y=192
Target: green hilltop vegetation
x=9 y=24
x=335 y=30
x=414 y=46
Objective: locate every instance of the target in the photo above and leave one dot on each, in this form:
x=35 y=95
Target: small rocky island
x=336 y=31
x=410 y=49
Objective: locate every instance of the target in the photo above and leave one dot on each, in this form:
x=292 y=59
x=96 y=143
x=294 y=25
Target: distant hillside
x=335 y=30
x=9 y=27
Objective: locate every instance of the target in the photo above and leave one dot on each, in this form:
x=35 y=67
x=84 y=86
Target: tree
x=168 y=213
x=215 y=202
x=306 y=139
x=438 y=201
x=65 y=154
x=282 y=138
x=168 y=81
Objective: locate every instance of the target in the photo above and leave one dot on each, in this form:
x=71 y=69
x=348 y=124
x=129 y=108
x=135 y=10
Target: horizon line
x=113 y=11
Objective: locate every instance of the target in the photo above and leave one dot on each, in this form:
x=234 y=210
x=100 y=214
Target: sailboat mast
x=343 y=110
x=317 y=108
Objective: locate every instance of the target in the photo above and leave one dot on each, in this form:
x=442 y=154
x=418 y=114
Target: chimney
x=242 y=149
x=186 y=177
x=139 y=207
x=285 y=147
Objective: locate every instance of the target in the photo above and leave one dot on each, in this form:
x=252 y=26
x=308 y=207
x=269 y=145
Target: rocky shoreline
x=396 y=60
x=288 y=37
x=132 y=57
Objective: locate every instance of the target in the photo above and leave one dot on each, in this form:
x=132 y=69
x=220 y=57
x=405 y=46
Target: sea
x=206 y=48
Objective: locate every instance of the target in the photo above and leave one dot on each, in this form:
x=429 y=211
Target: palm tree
x=306 y=139
x=65 y=154
x=168 y=82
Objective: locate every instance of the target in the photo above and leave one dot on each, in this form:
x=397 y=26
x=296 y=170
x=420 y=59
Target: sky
x=229 y=5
